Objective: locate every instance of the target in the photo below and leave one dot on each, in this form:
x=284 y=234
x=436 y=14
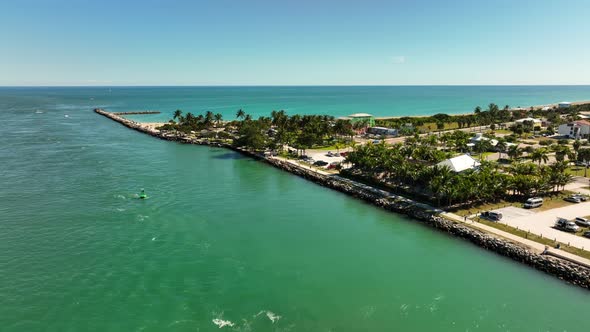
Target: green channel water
x=226 y=237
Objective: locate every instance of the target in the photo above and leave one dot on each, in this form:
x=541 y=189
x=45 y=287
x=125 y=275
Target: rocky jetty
x=136 y=112
x=561 y=268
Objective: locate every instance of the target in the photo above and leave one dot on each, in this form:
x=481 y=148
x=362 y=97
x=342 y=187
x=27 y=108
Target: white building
x=564 y=104
x=577 y=129
x=460 y=163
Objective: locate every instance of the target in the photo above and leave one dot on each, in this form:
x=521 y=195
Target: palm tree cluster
x=491 y=116
x=189 y=122
x=412 y=168
x=299 y=131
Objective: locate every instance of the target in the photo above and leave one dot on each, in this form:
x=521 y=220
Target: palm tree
x=240 y=114
x=540 y=155
x=177 y=115
x=501 y=147
x=481 y=147
x=514 y=152
x=577 y=144
x=209 y=118
x=218 y=118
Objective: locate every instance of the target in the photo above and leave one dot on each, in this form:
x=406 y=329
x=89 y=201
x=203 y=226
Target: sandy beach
x=512 y=109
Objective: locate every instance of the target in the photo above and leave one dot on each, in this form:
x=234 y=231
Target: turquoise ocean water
x=226 y=237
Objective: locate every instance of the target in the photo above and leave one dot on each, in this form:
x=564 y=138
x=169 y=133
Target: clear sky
x=294 y=42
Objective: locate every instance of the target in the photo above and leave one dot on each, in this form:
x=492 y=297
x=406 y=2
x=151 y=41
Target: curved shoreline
x=563 y=269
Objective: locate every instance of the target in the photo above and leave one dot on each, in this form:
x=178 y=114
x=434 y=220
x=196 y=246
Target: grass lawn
x=549 y=202
x=431 y=126
x=502 y=131
x=485 y=207
x=576 y=171
x=485 y=155
x=556 y=201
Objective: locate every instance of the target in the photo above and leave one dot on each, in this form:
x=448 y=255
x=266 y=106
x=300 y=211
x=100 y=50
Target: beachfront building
x=564 y=104
x=460 y=163
x=576 y=129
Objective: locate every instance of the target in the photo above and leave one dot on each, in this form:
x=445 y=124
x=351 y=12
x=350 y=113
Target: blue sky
x=303 y=42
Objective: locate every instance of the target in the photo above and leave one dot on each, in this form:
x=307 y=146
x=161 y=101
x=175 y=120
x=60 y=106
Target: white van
x=533 y=202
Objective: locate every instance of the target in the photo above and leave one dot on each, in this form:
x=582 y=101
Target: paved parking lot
x=541 y=223
x=322 y=155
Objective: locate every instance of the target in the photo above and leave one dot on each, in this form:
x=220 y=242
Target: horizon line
x=282 y=85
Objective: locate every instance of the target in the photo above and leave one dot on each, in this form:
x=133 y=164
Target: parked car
x=320 y=163
x=491 y=215
x=333 y=165
x=582 y=221
x=573 y=199
x=587 y=234
x=566 y=225
x=533 y=202
x=560 y=223
x=581 y=197
x=344 y=154
x=570 y=226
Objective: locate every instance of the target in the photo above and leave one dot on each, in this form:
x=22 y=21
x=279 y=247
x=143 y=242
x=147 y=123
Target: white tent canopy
x=460 y=163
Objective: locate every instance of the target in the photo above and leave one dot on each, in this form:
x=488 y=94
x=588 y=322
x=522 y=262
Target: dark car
x=491 y=215
x=320 y=163
x=587 y=234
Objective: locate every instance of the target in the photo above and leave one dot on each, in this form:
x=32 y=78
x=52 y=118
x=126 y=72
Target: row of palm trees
x=189 y=122
x=299 y=131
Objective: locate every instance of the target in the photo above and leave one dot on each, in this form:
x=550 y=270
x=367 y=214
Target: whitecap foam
x=222 y=323
x=272 y=316
x=142 y=217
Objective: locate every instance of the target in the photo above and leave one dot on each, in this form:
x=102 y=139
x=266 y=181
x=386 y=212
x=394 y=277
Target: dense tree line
x=492 y=116
x=413 y=167
x=299 y=131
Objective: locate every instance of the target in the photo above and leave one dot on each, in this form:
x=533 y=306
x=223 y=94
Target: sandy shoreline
x=512 y=109
x=153 y=125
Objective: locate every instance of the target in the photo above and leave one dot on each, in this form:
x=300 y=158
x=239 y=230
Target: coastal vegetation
x=301 y=132
x=412 y=167
x=493 y=116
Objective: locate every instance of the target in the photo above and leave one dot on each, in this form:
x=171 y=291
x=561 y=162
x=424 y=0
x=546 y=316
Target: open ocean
x=225 y=237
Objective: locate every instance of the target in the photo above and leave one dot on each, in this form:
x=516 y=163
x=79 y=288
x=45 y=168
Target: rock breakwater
x=563 y=269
